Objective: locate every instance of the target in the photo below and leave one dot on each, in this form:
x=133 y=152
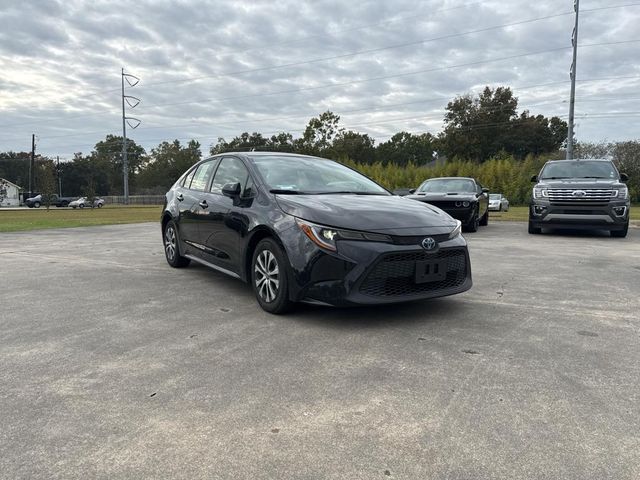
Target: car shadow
x=568 y=232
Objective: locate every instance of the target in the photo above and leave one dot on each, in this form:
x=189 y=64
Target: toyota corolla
x=306 y=229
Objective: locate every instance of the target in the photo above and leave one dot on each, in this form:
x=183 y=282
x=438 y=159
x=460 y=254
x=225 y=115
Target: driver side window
x=231 y=170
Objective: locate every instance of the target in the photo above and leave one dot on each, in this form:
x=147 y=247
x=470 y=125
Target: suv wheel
x=534 y=230
x=172 y=248
x=269 y=277
x=620 y=233
x=36 y=204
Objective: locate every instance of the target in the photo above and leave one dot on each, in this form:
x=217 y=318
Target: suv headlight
x=456 y=231
x=622 y=192
x=539 y=192
x=326 y=237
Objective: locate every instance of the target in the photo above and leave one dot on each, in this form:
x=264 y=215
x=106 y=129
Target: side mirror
x=231 y=190
x=624 y=177
x=534 y=179
x=485 y=190
x=413 y=190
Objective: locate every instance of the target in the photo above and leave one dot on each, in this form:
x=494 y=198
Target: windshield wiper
x=287 y=191
x=554 y=178
x=342 y=192
x=592 y=176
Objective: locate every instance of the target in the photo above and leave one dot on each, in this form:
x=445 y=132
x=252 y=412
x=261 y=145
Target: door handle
x=179 y=197
x=204 y=204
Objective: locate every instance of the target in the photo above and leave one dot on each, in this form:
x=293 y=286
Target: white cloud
x=61 y=66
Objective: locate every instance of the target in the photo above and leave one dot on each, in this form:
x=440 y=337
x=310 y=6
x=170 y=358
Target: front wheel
x=36 y=204
x=473 y=224
x=171 y=247
x=484 y=221
x=534 y=230
x=81 y=205
x=269 y=277
x=99 y=205
x=620 y=233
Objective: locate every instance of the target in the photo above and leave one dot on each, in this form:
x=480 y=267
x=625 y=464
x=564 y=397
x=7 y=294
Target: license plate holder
x=430 y=271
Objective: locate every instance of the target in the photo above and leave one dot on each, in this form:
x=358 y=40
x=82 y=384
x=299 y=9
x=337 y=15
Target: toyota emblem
x=428 y=243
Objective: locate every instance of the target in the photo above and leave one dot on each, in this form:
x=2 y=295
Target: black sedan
x=306 y=229
x=461 y=197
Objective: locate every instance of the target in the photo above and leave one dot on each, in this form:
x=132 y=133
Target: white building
x=9 y=194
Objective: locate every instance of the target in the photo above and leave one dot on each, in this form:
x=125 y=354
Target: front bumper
x=370 y=273
x=611 y=216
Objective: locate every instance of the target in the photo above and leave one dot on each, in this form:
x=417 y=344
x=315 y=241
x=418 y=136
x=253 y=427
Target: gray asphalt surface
x=114 y=365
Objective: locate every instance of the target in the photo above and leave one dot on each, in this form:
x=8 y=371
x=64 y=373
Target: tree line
x=483 y=136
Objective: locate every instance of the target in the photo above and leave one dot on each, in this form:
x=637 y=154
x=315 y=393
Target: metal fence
x=136 y=199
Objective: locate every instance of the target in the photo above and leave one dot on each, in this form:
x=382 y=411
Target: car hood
x=439 y=197
x=580 y=183
x=371 y=213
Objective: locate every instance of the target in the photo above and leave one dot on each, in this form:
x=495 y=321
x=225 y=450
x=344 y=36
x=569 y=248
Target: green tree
x=404 y=148
x=319 y=133
x=165 y=164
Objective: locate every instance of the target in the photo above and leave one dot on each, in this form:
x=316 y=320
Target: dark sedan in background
x=461 y=197
x=309 y=229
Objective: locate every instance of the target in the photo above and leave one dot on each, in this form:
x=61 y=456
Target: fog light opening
x=620 y=211
x=539 y=209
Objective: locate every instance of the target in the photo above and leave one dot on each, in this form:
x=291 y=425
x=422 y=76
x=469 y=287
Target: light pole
x=572 y=98
x=133 y=103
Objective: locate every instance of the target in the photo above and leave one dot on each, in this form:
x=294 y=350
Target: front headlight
x=456 y=231
x=326 y=237
x=622 y=192
x=540 y=192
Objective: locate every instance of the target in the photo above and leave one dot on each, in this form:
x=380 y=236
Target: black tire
x=81 y=205
x=74 y=207
x=620 y=233
x=64 y=204
x=484 y=221
x=99 y=205
x=473 y=224
x=500 y=208
x=534 y=230
x=36 y=204
x=269 y=279
x=171 y=243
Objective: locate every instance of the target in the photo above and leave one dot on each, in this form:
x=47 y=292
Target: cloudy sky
x=212 y=69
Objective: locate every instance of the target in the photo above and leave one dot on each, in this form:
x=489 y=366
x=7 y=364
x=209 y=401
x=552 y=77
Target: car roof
x=581 y=160
x=256 y=154
x=451 y=178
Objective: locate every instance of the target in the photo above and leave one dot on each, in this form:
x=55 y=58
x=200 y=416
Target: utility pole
x=32 y=164
x=125 y=120
x=572 y=99
x=59 y=176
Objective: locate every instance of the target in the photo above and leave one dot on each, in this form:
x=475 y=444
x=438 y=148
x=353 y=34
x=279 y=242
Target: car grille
x=590 y=195
x=394 y=274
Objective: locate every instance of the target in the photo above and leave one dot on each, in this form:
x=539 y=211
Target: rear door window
x=202 y=175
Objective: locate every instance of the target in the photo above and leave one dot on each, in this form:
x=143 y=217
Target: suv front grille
x=580 y=196
x=394 y=274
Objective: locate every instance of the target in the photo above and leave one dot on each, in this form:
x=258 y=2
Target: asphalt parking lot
x=116 y=366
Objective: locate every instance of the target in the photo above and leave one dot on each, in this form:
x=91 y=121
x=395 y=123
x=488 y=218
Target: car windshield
x=579 y=169
x=448 y=185
x=495 y=196
x=306 y=175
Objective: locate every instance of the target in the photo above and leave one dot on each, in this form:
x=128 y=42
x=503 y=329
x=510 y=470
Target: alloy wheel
x=267 y=276
x=170 y=243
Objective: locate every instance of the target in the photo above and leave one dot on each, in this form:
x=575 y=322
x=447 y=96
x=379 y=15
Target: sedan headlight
x=456 y=231
x=622 y=192
x=326 y=237
x=539 y=192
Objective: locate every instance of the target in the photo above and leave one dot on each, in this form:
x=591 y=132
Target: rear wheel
x=81 y=205
x=36 y=204
x=269 y=277
x=171 y=247
x=99 y=205
x=620 y=233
